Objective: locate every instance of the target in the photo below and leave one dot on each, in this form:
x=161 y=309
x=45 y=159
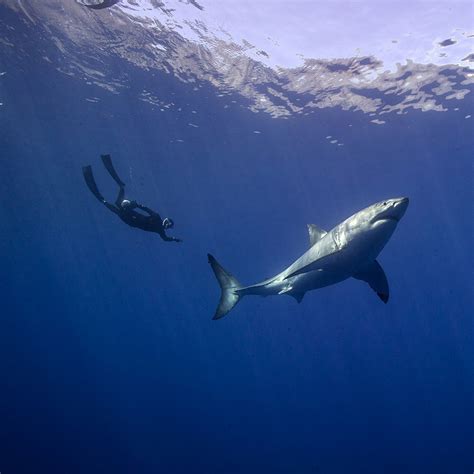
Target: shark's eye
x=385 y=203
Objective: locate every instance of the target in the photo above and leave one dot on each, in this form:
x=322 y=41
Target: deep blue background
x=109 y=359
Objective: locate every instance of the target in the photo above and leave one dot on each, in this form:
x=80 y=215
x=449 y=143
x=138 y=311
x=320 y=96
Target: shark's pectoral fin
x=374 y=275
x=315 y=234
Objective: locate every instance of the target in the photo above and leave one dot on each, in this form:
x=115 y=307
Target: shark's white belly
x=315 y=279
x=329 y=271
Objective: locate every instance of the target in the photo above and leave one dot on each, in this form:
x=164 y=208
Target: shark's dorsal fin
x=374 y=275
x=315 y=234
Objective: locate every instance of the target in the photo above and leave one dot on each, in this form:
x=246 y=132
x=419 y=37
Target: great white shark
x=348 y=250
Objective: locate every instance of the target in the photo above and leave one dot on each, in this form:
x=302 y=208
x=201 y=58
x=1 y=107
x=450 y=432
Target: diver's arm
x=169 y=239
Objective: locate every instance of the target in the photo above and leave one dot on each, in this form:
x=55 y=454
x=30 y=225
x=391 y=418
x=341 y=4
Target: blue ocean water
x=109 y=358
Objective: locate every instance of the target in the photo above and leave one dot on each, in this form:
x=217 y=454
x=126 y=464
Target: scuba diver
x=125 y=208
x=100 y=6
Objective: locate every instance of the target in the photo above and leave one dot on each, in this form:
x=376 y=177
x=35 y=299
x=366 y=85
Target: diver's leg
x=91 y=184
x=111 y=207
x=120 y=196
x=107 y=160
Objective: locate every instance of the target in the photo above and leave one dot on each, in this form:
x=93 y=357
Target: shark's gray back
x=320 y=255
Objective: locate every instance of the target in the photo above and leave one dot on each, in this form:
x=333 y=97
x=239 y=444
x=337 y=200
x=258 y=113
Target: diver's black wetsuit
x=150 y=223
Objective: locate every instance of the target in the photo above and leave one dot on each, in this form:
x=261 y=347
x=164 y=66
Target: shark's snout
x=400 y=206
x=390 y=210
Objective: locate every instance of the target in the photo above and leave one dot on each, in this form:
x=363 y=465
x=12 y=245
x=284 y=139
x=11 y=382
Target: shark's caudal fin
x=228 y=284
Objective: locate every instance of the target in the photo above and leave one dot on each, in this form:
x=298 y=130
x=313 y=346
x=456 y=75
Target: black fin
x=91 y=184
x=297 y=296
x=374 y=275
x=383 y=297
x=107 y=160
x=100 y=6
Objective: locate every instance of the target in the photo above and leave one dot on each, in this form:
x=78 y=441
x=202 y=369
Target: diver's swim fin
x=91 y=184
x=100 y=6
x=107 y=160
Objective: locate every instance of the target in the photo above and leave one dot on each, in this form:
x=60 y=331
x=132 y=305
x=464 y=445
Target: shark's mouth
x=386 y=218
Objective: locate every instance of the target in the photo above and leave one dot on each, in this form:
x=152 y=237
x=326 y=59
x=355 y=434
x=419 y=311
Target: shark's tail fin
x=228 y=284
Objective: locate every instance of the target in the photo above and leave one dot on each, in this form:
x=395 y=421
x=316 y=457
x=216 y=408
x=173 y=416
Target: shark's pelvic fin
x=297 y=296
x=228 y=284
x=315 y=234
x=289 y=291
x=374 y=275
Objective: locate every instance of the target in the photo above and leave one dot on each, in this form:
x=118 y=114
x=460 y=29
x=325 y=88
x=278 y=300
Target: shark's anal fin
x=374 y=275
x=315 y=234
